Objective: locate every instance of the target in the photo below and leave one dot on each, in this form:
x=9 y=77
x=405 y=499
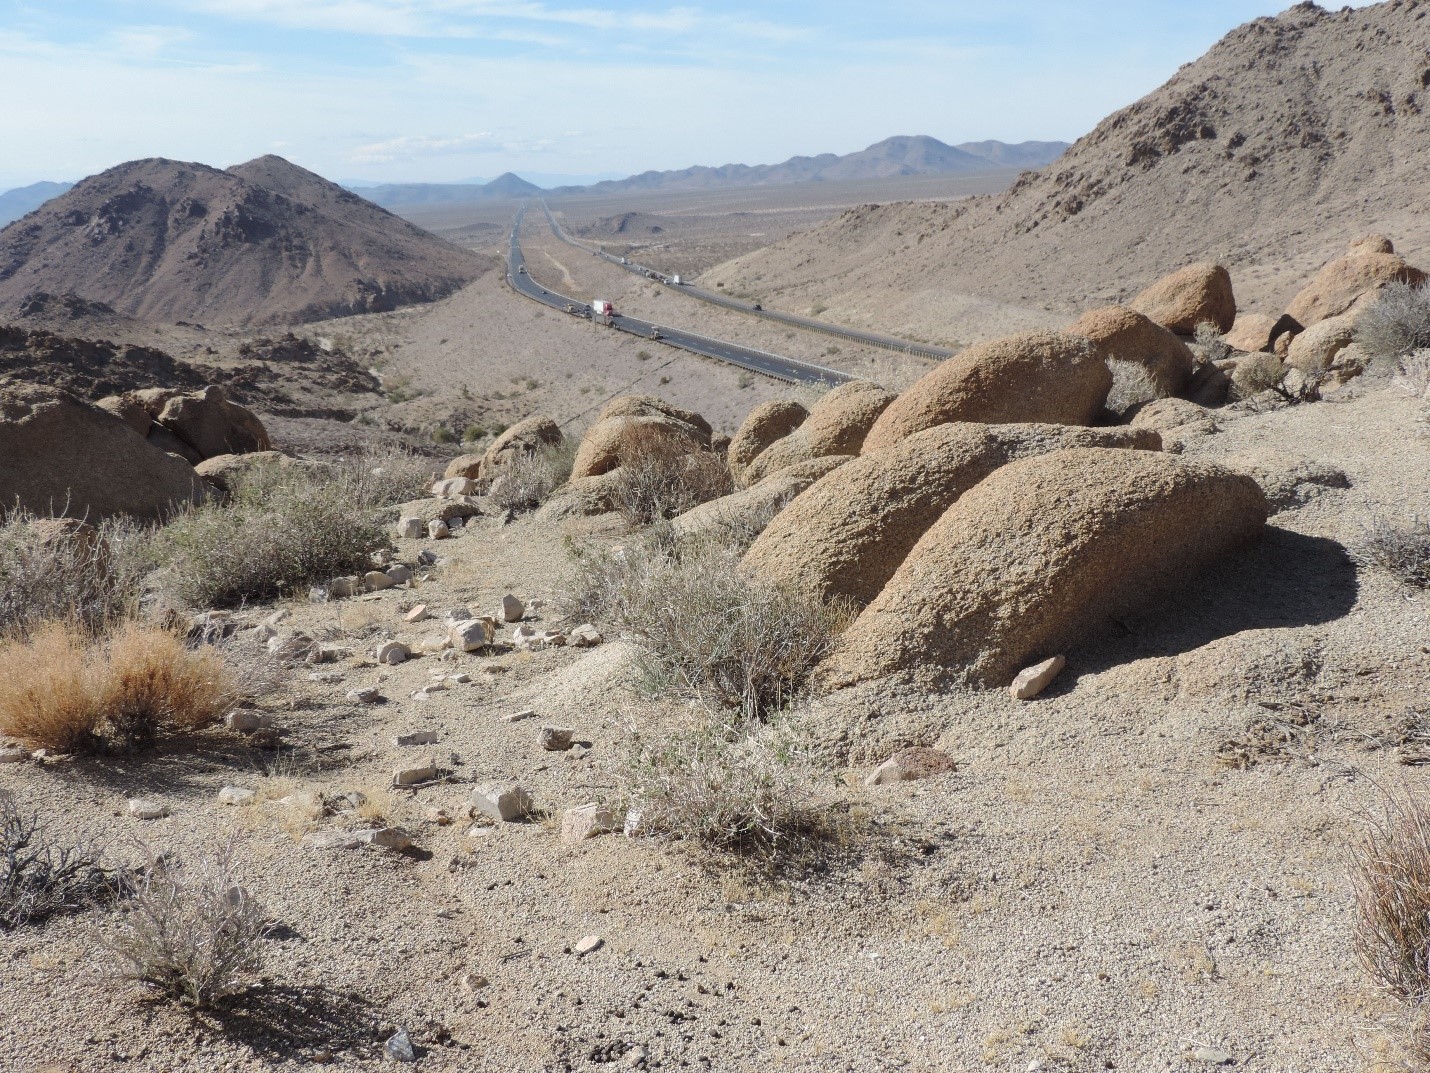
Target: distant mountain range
x=26 y=199
x=891 y=158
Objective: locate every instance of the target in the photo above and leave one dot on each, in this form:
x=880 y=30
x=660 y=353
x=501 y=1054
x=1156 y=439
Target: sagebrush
x=189 y=930
x=65 y=689
x=660 y=475
x=1132 y=386
x=1211 y=344
x=38 y=877
x=1412 y=375
x=528 y=480
x=1396 y=323
x=1401 y=548
x=1391 y=877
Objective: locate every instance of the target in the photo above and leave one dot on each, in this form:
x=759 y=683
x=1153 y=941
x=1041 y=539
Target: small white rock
x=556 y=739
x=505 y=803
x=424 y=770
x=584 y=636
x=588 y=945
x=417 y=614
x=148 y=808
x=587 y=821
x=392 y=652
x=236 y=795
x=437 y=530
x=411 y=528
x=1033 y=680
x=512 y=609
x=365 y=695
x=394 y=838
x=399 y=574
x=471 y=634
x=417 y=737
x=517 y=717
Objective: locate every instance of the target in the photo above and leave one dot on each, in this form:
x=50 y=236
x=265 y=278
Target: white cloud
x=408 y=147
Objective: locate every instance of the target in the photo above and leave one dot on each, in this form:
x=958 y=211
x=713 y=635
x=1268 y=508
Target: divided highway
x=789 y=370
x=886 y=342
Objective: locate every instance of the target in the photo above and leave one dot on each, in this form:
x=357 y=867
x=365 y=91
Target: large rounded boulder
x=65 y=456
x=1361 y=272
x=1251 y=332
x=1122 y=334
x=1188 y=297
x=1315 y=349
x=743 y=515
x=522 y=440
x=633 y=421
x=837 y=425
x=766 y=423
x=1040 y=556
x=1041 y=376
x=847 y=535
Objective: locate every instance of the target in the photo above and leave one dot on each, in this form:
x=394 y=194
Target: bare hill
x=505 y=187
x=264 y=242
x=1290 y=136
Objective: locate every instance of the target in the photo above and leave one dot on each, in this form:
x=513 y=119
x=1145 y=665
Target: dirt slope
x=1290 y=136
x=265 y=242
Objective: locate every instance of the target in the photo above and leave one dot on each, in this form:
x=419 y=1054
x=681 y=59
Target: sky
x=445 y=90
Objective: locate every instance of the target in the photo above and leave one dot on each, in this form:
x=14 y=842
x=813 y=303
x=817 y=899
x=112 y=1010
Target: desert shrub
x=659 y=476
x=1412 y=375
x=282 y=530
x=1256 y=373
x=65 y=689
x=705 y=627
x=1209 y=341
x=1132 y=386
x=528 y=480
x=1391 y=878
x=1397 y=323
x=188 y=930
x=50 y=570
x=1399 y=548
x=728 y=785
x=37 y=877
x=381 y=475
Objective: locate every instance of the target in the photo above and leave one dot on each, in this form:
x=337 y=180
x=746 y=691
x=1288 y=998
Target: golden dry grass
x=62 y=688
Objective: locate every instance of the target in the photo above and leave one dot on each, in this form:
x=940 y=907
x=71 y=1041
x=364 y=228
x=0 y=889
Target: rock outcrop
x=523 y=439
x=1049 y=377
x=848 y=534
x=1188 y=297
x=1361 y=272
x=1040 y=555
x=837 y=425
x=746 y=513
x=1122 y=334
x=630 y=420
x=765 y=424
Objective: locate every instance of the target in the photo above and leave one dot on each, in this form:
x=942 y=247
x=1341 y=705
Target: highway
x=789 y=370
x=885 y=342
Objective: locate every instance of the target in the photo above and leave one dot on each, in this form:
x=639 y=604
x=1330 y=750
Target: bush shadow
x=281 y=1021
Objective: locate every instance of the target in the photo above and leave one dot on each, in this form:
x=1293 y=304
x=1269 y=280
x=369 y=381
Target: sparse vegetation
x=1399 y=548
x=39 y=879
x=189 y=931
x=1257 y=373
x=527 y=481
x=1210 y=343
x=381 y=475
x=53 y=569
x=64 y=689
x=1132 y=386
x=660 y=477
x=642 y=355
x=1397 y=323
x=745 y=380
x=1412 y=375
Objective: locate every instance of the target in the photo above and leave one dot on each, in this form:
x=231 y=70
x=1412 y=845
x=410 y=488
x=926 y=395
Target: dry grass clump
x=282 y=530
x=38 y=878
x=659 y=477
x=62 y=688
x=189 y=931
x=528 y=480
x=1132 y=386
x=1412 y=375
x=1256 y=373
x=1210 y=343
x=729 y=785
x=707 y=628
x=381 y=475
x=1399 y=548
x=61 y=569
x=1397 y=323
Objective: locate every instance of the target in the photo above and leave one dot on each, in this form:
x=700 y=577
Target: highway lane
x=885 y=342
x=789 y=370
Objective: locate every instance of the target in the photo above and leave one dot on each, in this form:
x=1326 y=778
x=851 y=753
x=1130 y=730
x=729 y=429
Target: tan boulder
x=1041 y=376
x=468 y=466
x=581 y=497
x=845 y=536
x=1315 y=349
x=743 y=515
x=766 y=423
x=130 y=410
x=1371 y=244
x=650 y=406
x=1175 y=415
x=1040 y=556
x=629 y=421
x=1340 y=284
x=523 y=439
x=1188 y=297
x=212 y=425
x=65 y=456
x=837 y=425
x=1122 y=334
x=1251 y=332
x=222 y=471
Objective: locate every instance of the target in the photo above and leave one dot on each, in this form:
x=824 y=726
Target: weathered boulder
x=637 y=422
x=849 y=533
x=1251 y=332
x=1315 y=349
x=223 y=471
x=468 y=466
x=766 y=423
x=1336 y=287
x=1175 y=417
x=650 y=406
x=1189 y=296
x=130 y=410
x=1038 y=376
x=1122 y=334
x=746 y=513
x=1041 y=555
x=837 y=425
x=212 y=425
x=581 y=497
x=1371 y=244
x=521 y=440
x=64 y=456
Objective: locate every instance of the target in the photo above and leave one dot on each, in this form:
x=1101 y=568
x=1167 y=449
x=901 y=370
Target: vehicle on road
x=521 y=270
x=675 y=280
x=602 y=308
x=757 y=307
x=654 y=332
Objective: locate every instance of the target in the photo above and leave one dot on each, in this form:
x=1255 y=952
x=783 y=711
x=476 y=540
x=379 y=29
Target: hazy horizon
x=388 y=91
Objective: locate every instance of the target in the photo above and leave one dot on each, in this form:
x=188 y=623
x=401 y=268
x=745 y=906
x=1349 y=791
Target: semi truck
x=675 y=280
x=602 y=308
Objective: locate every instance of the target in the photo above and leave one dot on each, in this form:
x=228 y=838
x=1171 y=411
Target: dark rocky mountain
x=26 y=199
x=263 y=243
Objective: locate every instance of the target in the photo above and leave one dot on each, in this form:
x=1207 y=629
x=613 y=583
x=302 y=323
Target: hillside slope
x=16 y=203
x=1290 y=136
x=264 y=242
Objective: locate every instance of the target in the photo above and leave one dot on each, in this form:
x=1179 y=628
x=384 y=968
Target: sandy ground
x=1091 y=889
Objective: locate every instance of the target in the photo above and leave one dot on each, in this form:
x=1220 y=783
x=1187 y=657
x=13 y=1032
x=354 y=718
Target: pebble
x=556 y=739
x=587 y=821
x=505 y=803
x=584 y=636
x=437 y=529
x=1033 y=680
x=417 y=614
x=471 y=634
x=512 y=609
x=428 y=557
x=472 y=982
x=517 y=717
x=424 y=770
x=1211 y=1056
x=457 y=614
x=399 y=1047
x=236 y=795
x=365 y=695
x=328 y=677
x=394 y=838
x=588 y=945
x=636 y=1056
x=392 y=652
x=411 y=528
x=419 y=737
x=148 y=808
